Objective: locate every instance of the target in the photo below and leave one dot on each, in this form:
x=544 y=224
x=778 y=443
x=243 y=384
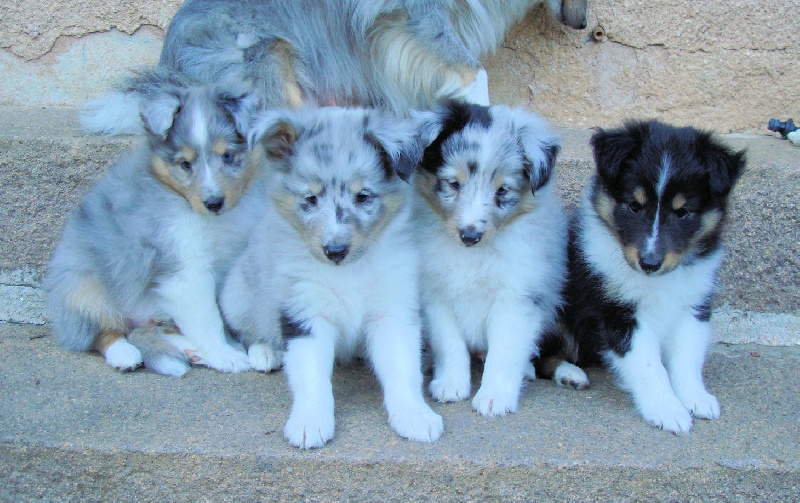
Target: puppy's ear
x=240 y=102
x=539 y=147
x=275 y=131
x=724 y=165
x=612 y=147
x=396 y=143
x=158 y=113
x=434 y=128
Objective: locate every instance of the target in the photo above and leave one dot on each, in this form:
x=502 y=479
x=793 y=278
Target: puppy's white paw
x=701 y=404
x=309 y=429
x=223 y=358
x=263 y=358
x=450 y=389
x=495 y=402
x=123 y=355
x=418 y=423
x=570 y=376
x=529 y=373
x=168 y=365
x=669 y=415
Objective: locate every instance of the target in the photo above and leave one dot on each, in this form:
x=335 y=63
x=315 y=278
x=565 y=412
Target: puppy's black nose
x=214 y=204
x=470 y=236
x=336 y=253
x=649 y=264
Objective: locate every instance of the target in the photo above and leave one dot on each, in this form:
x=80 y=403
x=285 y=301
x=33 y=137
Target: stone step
x=47 y=163
x=71 y=427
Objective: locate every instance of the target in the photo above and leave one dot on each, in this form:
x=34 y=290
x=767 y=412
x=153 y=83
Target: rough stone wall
x=726 y=64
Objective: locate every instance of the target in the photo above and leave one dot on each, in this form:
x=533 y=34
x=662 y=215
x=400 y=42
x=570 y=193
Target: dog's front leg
x=189 y=298
x=511 y=330
x=394 y=349
x=308 y=363
x=642 y=373
x=684 y=355
x=451 y=360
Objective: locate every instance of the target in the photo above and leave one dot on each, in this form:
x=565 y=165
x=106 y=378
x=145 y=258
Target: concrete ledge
x=72 y=427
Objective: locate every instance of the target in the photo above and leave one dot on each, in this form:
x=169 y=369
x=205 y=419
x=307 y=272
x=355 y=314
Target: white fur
x=123 y=355
x=478 y=299
x=663 y=369
x=572 y=376
x=113 y=114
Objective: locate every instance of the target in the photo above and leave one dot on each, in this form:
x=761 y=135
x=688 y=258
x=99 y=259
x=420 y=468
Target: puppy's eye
x=311 y=200
x=186 y=166
x=364 y=197
x=228 y=157
x=634 y=206
x=502 y=191
x=681 y=212
x=453 y=184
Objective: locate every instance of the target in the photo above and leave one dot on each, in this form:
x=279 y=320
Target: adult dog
x=391 y=54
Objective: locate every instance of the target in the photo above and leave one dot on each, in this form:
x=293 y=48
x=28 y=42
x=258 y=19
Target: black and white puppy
x=644 y=252
x=492 y=236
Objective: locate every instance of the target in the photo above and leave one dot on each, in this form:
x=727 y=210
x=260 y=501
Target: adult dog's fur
x=493 y=240
x=643 y=256
x=331 y=271
x=393 y=54
x=149 y=243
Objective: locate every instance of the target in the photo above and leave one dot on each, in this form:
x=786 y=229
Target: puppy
x=148 y=245
x=393 y=54
x=331 y=271
x=643 y=257
x=493 y=238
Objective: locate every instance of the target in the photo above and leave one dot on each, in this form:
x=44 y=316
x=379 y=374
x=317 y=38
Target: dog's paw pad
x=570 y=376
x=417 y=423
x=123 y=355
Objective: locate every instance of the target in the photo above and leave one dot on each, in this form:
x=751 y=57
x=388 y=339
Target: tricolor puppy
x=331 y=271
x=493 y=240
x=148 y=245
x=390 y=54
x=643 y=257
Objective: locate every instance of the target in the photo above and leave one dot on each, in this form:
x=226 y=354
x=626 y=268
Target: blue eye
x=228 y=157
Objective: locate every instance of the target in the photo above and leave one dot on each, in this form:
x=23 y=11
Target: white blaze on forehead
x=663 y=176
x=199 y=128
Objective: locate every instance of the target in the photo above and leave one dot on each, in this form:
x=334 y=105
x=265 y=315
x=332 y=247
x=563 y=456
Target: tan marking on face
x=90 y=298
x=189 y=153
x=184 y=186
x=678 y=201
x=356 y=186
x=426 y=186
x=709 y=222
x=315 y=187
x=235 y=187
x=640 y=195
x=671 y=261
x=219 y=147
x=604 y=206
x=631 y=254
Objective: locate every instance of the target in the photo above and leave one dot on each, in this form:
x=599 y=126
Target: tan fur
x=89 y=297
x=235 y=188
x=604 y=206
x=291 y=89
x=189 y=153
x=709 y=222
x=105 y=339
x=671 y=261
x=631 y=254
x=173 y=178
x=640 y=196
x=219 y=147
x=678 y=201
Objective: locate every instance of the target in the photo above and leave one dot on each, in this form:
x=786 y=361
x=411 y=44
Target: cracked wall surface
x=725 y=65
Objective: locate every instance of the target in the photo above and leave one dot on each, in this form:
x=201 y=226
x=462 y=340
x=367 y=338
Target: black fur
x=457 y=115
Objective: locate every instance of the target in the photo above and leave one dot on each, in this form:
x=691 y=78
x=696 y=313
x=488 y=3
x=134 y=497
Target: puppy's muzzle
x=336 y=253
x=214 y=204
x=470 y=236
